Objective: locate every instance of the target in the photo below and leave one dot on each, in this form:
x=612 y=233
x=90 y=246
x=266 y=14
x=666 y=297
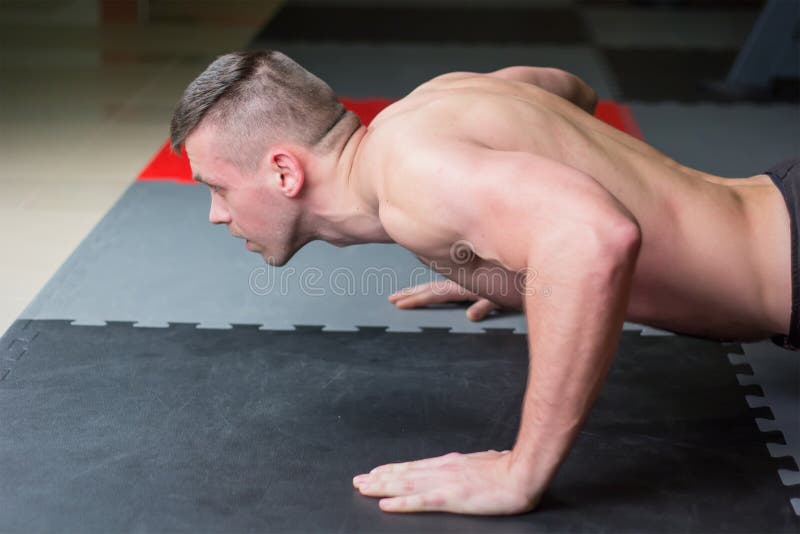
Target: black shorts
x=786 y=176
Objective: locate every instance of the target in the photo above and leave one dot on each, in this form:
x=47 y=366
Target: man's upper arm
x=508 y=204
x=556 y=81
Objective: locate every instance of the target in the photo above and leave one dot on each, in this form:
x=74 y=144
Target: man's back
x=694 y=225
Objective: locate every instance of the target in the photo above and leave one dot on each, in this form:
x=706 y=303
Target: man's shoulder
x=447 y=93
x=438 y=125
x=411 y=143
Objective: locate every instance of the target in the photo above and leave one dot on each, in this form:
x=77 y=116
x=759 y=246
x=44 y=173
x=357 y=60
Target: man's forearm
x=573 y=334
x=491 y=281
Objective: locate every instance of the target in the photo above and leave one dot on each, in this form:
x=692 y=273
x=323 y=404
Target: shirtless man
x=594 y=226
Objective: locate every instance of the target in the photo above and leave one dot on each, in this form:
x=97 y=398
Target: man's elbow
x=576 y=90
x=583 y=95
x=620 y=242
x=572 y=88
x=609 y=244
x=605 y=257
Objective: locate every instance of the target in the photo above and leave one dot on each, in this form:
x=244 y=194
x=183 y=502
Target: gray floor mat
x=130 y=268
x=394 y=70
x=733 y=141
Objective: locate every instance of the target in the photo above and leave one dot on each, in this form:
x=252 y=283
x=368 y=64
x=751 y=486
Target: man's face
x=250 y=205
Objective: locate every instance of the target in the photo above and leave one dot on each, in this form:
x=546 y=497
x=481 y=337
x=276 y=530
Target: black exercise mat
x=119 y=428
x=398 y=23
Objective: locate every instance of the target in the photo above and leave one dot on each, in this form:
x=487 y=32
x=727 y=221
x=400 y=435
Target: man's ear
x=287 y=169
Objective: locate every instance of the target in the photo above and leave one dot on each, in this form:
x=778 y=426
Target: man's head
x=252 y=123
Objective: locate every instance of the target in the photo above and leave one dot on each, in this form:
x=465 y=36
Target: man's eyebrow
x=198 y=178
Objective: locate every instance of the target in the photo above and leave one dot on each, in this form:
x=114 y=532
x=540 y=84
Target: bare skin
x=591 y=226
x=694 y=225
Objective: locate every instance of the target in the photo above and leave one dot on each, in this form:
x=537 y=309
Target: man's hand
x=440 y=292
x=480 y=483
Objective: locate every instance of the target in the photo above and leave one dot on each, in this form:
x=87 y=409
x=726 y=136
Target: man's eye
x=214 y=188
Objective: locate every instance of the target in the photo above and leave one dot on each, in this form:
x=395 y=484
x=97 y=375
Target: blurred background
x=87 y=87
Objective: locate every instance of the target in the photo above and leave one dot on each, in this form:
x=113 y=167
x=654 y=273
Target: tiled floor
x=84 y=106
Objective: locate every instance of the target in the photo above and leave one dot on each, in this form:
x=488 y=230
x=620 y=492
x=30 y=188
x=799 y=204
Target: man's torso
x=714 y=259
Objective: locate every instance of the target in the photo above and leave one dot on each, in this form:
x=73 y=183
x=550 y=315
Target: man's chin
x=276 y=261
x=273 y=261
x=279 y=261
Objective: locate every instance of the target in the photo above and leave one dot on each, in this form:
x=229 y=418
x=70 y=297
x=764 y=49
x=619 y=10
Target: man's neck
x=344 y=203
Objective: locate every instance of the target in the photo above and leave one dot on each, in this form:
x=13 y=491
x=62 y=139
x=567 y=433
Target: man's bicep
x=519 y=201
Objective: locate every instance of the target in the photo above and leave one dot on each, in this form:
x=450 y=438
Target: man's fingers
x=480 y=309
x=424 y=298
x=398 y=484
x=418 y=464
x=431 y=293
x=419 y=298
x=426 y=502
x=420 y=468
x=407 y=292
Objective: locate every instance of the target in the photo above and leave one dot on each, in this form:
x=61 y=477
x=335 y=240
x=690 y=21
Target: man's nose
x=218 y=214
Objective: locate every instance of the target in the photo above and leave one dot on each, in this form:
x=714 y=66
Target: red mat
x=166 y=165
